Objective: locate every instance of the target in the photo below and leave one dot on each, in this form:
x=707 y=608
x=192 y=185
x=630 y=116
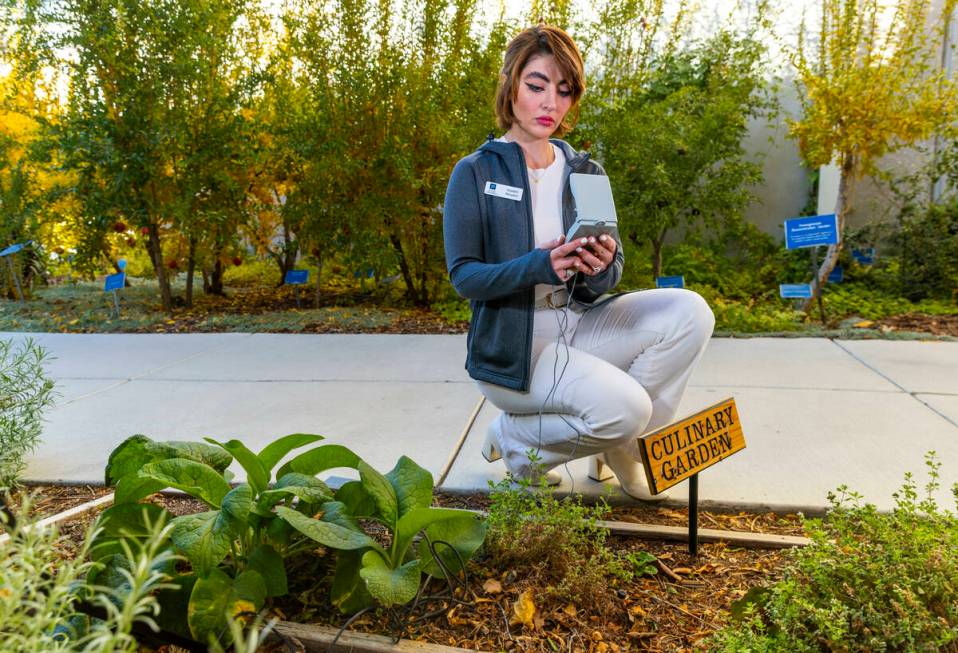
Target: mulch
x=675 y=610
x=48 y=500
x=939 y=325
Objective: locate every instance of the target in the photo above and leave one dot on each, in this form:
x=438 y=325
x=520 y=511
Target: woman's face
x=543 y=99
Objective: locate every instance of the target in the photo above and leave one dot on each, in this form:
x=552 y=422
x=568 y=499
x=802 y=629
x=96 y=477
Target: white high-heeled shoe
x=629 y=472
x=491 y=452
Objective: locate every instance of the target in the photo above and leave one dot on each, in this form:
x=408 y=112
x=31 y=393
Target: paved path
x=816 y=413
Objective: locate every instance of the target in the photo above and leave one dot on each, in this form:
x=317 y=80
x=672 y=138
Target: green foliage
x=25 y=392
x=858 y=299
x=35 y=574
x=400 y=502
x=454 y=310
x=928 y=241
x=669 y=130
x=558 y=543
x=870 y=581
x=237 y=551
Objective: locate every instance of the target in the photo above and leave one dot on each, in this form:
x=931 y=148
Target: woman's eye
x=565 y=93
x=534 y=88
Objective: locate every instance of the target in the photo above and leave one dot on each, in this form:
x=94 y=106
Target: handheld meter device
x=594 y=207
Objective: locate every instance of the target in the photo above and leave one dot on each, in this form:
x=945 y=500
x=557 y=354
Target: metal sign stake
x=116 y=305
x=816 y=285
x=694 y=515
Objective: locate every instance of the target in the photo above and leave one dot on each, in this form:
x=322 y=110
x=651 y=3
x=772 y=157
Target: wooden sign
x=684 y=448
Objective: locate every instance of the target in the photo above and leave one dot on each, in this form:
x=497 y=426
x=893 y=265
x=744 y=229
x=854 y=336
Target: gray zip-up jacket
x=493 y=261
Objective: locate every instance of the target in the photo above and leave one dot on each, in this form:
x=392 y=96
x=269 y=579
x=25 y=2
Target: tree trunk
x=319 y=278
x=155 y=251
x=190 y=269
x=216 y=278
x=404 y=267
x=842 y=205
x=657 y=244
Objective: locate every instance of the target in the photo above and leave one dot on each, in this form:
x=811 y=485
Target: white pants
x=621 y=372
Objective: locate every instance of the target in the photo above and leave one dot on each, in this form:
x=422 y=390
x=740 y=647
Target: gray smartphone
x=594 y=207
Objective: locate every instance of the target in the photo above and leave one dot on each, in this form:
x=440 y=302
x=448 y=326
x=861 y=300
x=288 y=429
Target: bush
x=858 y=299
x=34 y=572
x=24 y=393
x=929 y=252
x=558 y=544
x=869 y=582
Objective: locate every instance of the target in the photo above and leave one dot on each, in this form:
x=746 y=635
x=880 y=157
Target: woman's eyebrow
x=544 y=77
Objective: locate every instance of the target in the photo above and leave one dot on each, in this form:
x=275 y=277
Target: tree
x=149 y=81
x=867 y=91
x=392 y=101
x=668 y=117
x=27 y=203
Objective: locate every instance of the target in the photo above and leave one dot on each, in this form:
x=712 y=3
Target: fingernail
x=585 y=241
x=602 y=237
x=591 y=239
x=578 y=249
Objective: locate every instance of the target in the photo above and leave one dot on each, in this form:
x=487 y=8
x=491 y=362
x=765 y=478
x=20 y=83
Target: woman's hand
x=598 y=255
x=565 y=260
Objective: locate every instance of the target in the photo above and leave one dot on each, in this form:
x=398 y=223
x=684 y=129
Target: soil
x=673 y=610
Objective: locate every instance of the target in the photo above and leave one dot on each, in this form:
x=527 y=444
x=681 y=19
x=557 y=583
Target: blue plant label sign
x=13 y=249
x=811 y=231
x=114 y=281
x=296 y=276
x=675 y=281
x=364 y=273
x=837 y=275
x=795 y=290
x=864 y=256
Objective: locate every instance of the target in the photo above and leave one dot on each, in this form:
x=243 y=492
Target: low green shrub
x=236 y=552
x=25 y=392
x=454 y=310
x=559 y=544
x=256 y=272
x=870 y=581
x=40 y=588
x=857 y=299
x=928 y=241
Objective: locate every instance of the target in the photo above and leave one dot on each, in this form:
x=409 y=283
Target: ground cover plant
x=558 y=544
x=238 y=550
x=870 y=581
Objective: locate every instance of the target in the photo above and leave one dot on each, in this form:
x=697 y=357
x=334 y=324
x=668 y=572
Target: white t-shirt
x=546 y=198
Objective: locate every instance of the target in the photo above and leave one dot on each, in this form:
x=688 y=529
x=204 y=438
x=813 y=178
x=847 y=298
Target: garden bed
x=498 y=609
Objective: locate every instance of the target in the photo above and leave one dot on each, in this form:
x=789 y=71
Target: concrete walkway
x=816 y=413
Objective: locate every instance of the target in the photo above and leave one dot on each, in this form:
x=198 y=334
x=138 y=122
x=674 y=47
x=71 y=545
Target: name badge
x=501 y=190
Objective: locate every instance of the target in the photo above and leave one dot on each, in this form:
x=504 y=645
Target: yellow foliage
x=867 y=90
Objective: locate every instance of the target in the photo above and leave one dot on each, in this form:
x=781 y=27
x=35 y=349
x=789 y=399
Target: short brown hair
x=541 y=39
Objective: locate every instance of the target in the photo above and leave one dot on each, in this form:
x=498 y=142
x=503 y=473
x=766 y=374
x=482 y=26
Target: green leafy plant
x=400 y=501
x=870 y=581
x=237 y=550
x=25 y=392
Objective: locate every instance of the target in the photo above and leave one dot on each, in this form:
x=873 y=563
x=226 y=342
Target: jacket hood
x=573 y=158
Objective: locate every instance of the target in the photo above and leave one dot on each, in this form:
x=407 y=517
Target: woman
x=574 y=373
